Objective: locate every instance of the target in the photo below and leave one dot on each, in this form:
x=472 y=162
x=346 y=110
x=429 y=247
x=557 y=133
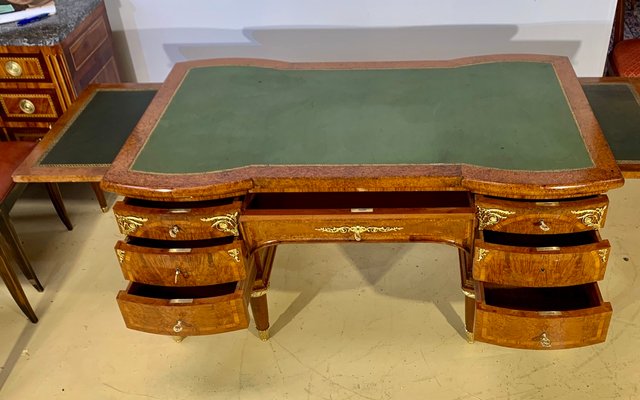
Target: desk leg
x=100 y=196
x=260 y=311
x=469 y=292
x=56 y=198
x=264 y=261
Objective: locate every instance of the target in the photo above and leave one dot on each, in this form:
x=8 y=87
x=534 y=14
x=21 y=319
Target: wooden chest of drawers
x=536 y=267
x=39 y=83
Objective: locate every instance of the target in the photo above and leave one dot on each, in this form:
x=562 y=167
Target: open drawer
x=367 y=216
x=179 y=220
x=541 y=318
x=187 y=311
x=182 y=263
x=540 y=260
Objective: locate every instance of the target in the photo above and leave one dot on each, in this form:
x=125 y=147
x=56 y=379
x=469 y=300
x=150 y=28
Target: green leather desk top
x=505 y=115
x=100 y=128
x=617 y=109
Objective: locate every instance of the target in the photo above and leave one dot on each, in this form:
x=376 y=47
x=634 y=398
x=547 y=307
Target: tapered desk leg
x=469 y=292
x=260 y=311
x=13 y=251
x=469 y=316
x=56 y=199
x=100 y=196
x=10 y=279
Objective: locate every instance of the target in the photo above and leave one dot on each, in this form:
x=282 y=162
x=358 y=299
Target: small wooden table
x=82 y=144
x=500 y=157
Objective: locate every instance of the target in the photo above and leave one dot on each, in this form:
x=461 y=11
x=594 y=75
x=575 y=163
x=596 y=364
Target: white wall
x=152 y=35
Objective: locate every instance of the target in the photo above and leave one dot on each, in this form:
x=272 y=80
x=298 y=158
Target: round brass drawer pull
x=13 y=68
x=26 y=106
x=177 y=328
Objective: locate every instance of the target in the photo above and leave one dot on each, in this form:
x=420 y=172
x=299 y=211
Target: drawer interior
x=543 y=299
x=357 y=201
x=528 y=240
x=179 y=244
x=169 y=205
x=176 y=293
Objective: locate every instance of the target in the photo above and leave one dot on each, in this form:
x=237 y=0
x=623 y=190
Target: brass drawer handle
x=128 y=224
x=544 y=340
x=13 y=68
x=491 y=216
x=173 y=232
x=227 y=223
x=26 y=106
x=359 y=230
x=591 y=218
x=177 y=328
x=235 y=254
x=543 y=226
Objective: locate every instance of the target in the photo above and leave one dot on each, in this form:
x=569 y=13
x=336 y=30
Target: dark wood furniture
x=500 y=157
x=38 y=83
x=624 y=59
x=11 y=252
x=84 y=141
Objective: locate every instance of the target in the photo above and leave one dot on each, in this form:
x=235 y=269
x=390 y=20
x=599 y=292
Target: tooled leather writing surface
x=507 y=115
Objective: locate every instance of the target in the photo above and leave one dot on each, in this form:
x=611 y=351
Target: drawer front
x=532 y=331
x=540 y=267
x=182 y=266
x=452 y=228
x=572 y=327
x=20 y=67
x=185 y=317
x=29 y=106
x=178 y=224
x=541 y=217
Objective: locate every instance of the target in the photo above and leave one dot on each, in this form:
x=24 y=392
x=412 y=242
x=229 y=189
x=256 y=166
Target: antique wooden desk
x=500 y=157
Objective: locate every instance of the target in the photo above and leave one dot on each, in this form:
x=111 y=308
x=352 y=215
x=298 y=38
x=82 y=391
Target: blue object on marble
x=52 y=30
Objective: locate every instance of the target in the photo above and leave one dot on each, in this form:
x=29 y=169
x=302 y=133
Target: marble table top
x=52 y=30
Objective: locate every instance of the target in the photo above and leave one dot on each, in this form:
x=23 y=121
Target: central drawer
x=435 y=216
x=540 y=260
x=187 y=311
x=195 y=263
x=541 y=318
x=177 y=221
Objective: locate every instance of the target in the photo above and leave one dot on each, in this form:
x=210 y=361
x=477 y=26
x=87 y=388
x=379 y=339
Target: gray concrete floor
x=353 y=321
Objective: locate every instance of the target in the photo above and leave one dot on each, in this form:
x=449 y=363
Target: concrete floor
x=355 y=321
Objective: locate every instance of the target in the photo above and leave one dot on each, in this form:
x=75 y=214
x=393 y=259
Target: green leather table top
x=507 y=115
x=617 y=109
x=97 y=133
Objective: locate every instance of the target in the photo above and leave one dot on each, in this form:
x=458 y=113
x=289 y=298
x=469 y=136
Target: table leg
x=260 y=310
x=14 y=251
x=100 y=196
x=10 y=279
x=469 y=292
x=56 y=198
